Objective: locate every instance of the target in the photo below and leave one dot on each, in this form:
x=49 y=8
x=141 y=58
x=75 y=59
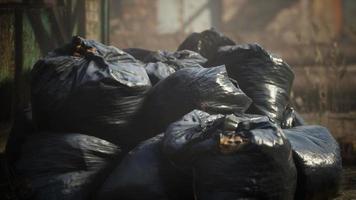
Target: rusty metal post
x=105 y=26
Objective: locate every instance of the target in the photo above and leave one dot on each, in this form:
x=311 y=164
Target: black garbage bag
x=291 y=118
x=317 y=157
x=233 y=157
x=207 y=89
x=64 y=166
x=87 y=87
x=161 y=64
x=138 y=53
x=158 y=71
x=205 y=43
x=145 y=174
x=177 y=60
x=265 y=79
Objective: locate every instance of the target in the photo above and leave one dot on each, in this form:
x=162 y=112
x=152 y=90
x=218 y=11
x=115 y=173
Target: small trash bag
x=138 y=53
x=158 y=71
x=291 y=118
x=233 y=157
x=177 y=60
x=318 y=161
x=265 y=79
x=64 y=166
x=161 y=64
x=207 y=89
x=205 y=43
x=87 y=87
x=145 y=174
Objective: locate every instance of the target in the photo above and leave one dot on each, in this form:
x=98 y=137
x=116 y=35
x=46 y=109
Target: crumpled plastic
x=87 y=87
x=138 y=53
x=208 y=89
x=161 y=64
x=146 y=174
x=317 y=157
x=267 y=80
x=206 y=43
x=63 y=166
x=233 y=157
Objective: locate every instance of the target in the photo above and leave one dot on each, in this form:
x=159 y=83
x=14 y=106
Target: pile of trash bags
x=210 y=121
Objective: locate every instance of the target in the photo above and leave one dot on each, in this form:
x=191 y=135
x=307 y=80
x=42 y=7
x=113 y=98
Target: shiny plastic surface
x=262 y=168
x=63 y=166
x=205 y=43
x=317 y=157
x=207 y=89
x=87 y=87
x=265 y=79
x=161 y=64
x=146 y=174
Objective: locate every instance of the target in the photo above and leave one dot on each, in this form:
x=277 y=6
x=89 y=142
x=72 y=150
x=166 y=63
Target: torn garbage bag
x=64 y=166
x=267 y=80
x=318 y=161
x=146 y=174
x=206 y=43
x=87 y=87
x=233 y=157
x=208 y=89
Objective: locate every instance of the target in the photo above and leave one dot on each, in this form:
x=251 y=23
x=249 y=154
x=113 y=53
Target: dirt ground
x=348 y=191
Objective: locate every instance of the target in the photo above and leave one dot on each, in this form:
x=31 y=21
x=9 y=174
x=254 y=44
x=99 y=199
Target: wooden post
x=17 y=91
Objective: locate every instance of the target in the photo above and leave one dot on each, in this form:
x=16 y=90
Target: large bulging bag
x=146 y=174
x=267 y=80
x=206 y=43
x=317 y=157
x=68 y=166
x=208 y=89
x=87 y=87
x=233 y=157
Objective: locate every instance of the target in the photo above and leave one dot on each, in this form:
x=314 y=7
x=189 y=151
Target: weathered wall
x=27 y=32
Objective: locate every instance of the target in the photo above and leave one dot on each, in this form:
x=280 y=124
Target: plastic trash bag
x=161 y=64
x=158 y=71
x=205 y=43
x=145 y=174
x=317 y=157
x=64 y=166
x=87 y=87
x=177 y=60
x=265 y=79
x=233 y=157
x=195 y=134
x=207 y=89
x=138 y=53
